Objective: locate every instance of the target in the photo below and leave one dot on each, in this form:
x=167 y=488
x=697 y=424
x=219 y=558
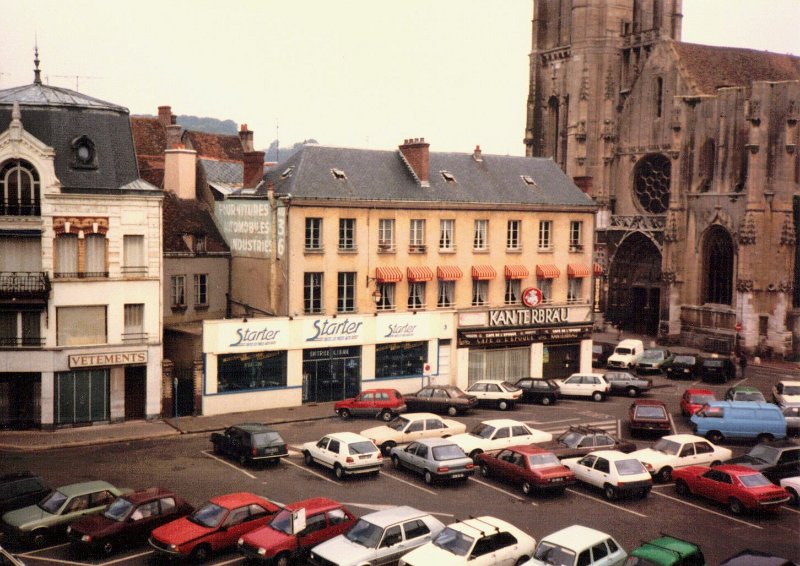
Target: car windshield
x=748 y=396
x=689 y=360
x=701 y=399
x=570 y=439
x=667 y=446
x=764 y=453
x=713 y=363
x=543 y=460
x=622 y=351
x=282 y=522
x=629 y=467
x=264 y=438
x=553 y=554
x=118 y=510
x=53 y=502
x=365 y=534
x=483 y=431
x=511 y=387
x=650 y=412
x=363 y=447
x=448 y=452
x=209 y=515
x=653 y=355
x=791 y=389
x=754 y=480
x=454 y=541
x=398 y=424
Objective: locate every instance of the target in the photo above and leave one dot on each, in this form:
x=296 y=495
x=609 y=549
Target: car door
x=315 y=532
x=520 y=434
x=601 y=473
x=571 y=385
x=711 y=484
x=421 y=401
x=319 y=448
x=500 y=439
x=788 y=464
x=414 y=431
x=440 y=400
x=143 y=520
x=500 y=464
x=359 y=406
x=484 y=551
x=233 y=442
x=420 y=457
x=392 y=545
x=479 y=390
x=238 y=522
x=434 y=428
x=408 y=456
x=331 y=455
x=584 y=468
x=528 y=394
x=704 y=453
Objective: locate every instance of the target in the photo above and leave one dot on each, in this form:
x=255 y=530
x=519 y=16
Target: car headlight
x=173 y=547
x=69 y=529
x=86 y=538
x=240 y=541
x=262 y=551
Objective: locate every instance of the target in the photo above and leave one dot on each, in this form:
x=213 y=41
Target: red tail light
x=349 y=460
x=470 y=466
x=285 y=447
x=443 y=469
x=380 y=455
x=255 y=451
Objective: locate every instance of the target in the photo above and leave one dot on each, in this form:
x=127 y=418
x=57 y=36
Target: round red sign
x=738 y=327
x=531 y=297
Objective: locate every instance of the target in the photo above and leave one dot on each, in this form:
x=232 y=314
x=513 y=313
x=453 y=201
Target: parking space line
x=408 y=483
x=124 y=558
x=606 y=503
x=248 y=474
x=708 y=510
x=305 y=468
x=671 y=423
x=494 y=487
x=790 y=509
x=56 y=560
x=32 y=552
x=380 y=507
x=231 y=561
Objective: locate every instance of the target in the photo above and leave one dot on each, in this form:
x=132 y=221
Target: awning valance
x=598 y=269
x=390 y=274
x=482 y=272
x=516 y=272
x=419 y=274
x=547 y=271
x=448 y=273
x=578 y=270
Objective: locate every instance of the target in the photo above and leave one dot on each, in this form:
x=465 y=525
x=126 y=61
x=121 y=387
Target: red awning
x=481 y=272
x=388 y=274
x=547 y=271
x=419 y=274
x=448 y=273
x=578 y=270
x=598 y=269
x=516 y=272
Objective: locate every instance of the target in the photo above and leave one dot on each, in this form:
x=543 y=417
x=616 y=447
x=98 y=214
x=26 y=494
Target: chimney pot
x=246 y=137
x=415 y=151
x=476 y=155
x=253 y=168
x=165 y=115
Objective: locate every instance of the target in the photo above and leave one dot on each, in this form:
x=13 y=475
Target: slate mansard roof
x=380 y=175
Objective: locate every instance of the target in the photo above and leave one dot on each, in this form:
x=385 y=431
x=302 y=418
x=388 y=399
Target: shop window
x=512 y=296
x=480 y=240
x=447 y=229
x=513 y=235
x=133 y=262
x=347 y=234
x=201 y=290
x=480 y=293
x=312 y=292
x=545 y=235
x=77 y=326
x=178 y=291
x=313 y=234
x=134 y=323
x=81 y=396
x=386 y=235
x=400 y=359
x=253 y=370
x=416 y=295
x=346 y=292
x=19 y=189
x=387 y=291
x=446 y=295
x=498 y=364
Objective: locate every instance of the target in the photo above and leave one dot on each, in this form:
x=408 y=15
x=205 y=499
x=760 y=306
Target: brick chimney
x=253 y=168
x=165 y=115
x=477 y=155
x=415 y=152
x=246 y=136
x=180 y=173
x=174 y=134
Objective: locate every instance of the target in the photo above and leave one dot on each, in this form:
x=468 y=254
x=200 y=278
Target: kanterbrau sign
x=529 y=317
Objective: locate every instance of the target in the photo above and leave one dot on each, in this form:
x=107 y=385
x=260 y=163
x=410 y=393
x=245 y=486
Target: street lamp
x=377 y=296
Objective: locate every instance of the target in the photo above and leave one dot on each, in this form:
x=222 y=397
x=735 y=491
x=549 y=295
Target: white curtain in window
x=95 y=253
x=509 y=364
x=18 y=253
x=67 y=253
x=133 y=253
x=81 y=325
x=446 y=293
x=134 y=319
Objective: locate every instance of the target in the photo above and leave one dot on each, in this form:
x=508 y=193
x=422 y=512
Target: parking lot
x=187 y=465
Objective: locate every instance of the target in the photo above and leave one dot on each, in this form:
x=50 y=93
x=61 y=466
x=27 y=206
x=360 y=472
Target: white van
x=626 y=354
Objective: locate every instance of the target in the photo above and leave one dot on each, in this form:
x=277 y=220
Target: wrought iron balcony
x=15 y=207
x=24 y=286
x=24 y=342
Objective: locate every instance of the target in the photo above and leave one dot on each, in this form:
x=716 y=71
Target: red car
x=281 y=542
x=215 y=526
x=738 y=487
x=382 y=403
x=693 y=399
x=530 y=467
x=649 y=415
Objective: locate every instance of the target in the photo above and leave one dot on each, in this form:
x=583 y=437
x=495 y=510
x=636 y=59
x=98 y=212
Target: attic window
x=528 y=180
x=338 y=174
x=200 y=244
x=84 y=155
x=287 y=172
x=448 y=176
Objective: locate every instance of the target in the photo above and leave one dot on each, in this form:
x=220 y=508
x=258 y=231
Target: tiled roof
x=215 y=146
x=189 y=216
x=151 y=169
x=149 y=136
x=228 y=172
x=708 y=67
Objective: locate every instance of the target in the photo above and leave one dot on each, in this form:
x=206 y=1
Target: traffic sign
x=738 y=327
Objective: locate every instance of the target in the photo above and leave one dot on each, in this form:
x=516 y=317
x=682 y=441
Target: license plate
x=364 y=457
x=456 y=476
x=556 y=479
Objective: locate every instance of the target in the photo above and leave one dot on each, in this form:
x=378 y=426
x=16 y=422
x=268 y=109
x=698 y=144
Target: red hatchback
x=215 y=526
x=283 y=541
x=385 y=404
x=530 y=467
x=649 y=415
x=738 y=487
x=693 y=399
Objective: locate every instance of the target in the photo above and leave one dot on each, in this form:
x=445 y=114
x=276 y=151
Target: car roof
x=655 y=402
x=314 y=505
x=587 y=429
x=736 y=469
x=83 y=488
x=568 y=537
x=253 y=427
x=693 y=391
x=527 y=449
x=348 y=437
x=610 y=454
x=148 y=494
x=488 y=381
x=742 y=404
x=587 y=373
x=683 y=437
x=390 y=516
x=654 y=548
x=417 y=416
x=745 y=388
x=434 y=441
x=384 y=390
x=482 y=525
x=231 y=500
x=502 y=422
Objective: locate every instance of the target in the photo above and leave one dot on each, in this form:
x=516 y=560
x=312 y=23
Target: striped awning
x=547 y=271
x=578 y=270
x=482 y=272
x=516 y=272
x=419 y=274
x=448 y=273
x=598 y=269
x=388 y=274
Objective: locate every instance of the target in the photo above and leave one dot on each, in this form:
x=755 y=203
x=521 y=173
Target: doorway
x=331 y=374
x=135 y=392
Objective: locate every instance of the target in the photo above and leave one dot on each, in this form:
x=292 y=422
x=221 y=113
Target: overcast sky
x=354 y=73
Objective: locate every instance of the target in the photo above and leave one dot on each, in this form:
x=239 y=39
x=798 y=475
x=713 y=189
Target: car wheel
x=764 y=438
x=109 y=547
x=200 y=553
x=474 y=454
x=610 y=492
x=715 y=463
x=632 y=391
x=503 y=405
x=338 y=471
x=735 y=506
x=452 y=411
x=217 y=449
x=714 y=436
x=428 y=477
x=795 y=500
x=526 y=488
x=39 y=537
x=597 y=396
x=282 y=559
x=395 y=462
x=386 y=416
x=664 y=474
x=681 y=488
x=344 y=414
x=387 y=446
x=242 y=460
x=485 y=471
x=521 y=560
x=307 y=459
x=644 y=492
x=546 y=400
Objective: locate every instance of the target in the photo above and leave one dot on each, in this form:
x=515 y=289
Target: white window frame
x=312 y=292
x=313 y=234
x=387 y=290
x=416 y=237
x=446 y=294
x=480 y=240
x=447 y=235
x=480 y=292
x=513 y=291
x=201 y=289
x=545 y=235
x=546 y=287
x=416 y=295
x=576 y=236
x=386 y=235
x=347 y=234
x=134 y=323
x=513 y=235
x=346 y=292
x=178 y=291
x=575 y=290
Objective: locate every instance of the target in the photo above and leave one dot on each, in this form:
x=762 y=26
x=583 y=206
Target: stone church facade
x=691 y=153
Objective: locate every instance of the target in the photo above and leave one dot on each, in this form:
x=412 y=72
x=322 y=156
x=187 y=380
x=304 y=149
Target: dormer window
x=287 y=172
x=84 y=155
x=528 y=180
x=200 y=244
x=448 y=176
x=338 y=174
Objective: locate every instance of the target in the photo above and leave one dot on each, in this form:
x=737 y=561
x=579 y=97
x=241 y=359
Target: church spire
x=37 y=73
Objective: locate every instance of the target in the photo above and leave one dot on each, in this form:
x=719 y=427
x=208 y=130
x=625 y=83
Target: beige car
x=410 y=427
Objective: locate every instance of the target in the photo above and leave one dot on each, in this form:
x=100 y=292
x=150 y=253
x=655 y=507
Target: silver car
x=435 y=459
x=625 y=383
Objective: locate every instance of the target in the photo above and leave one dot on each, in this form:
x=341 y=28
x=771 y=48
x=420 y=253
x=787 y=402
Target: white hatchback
x=345 y=453
x=496 y=393
x=678 y=451
x=498 y=433
x=578 y=546
x=616 y=473
x=592 y=385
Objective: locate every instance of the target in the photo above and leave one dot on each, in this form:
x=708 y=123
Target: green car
x=36 y=524
x=744 y=393
x=666 y=551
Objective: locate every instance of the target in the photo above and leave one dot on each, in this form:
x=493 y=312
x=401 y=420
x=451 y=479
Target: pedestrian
x=743 y=363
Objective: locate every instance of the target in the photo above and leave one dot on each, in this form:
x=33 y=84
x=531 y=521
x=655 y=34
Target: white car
x=578 y=546
x=498 y=433
x=496 y=393
x=616 y=473
x=345 y=453
x=481 y=541
x=786 y=393
x=593 y=385
x=677 y=451
x=410 y=427
x=792 y=485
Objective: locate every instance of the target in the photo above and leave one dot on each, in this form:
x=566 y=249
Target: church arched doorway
x=634 y=285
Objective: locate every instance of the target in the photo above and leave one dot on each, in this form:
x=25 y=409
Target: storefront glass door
x=331 y=374
x=82 y=396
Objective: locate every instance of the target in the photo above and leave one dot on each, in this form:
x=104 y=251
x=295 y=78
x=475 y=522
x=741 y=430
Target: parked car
x=750 y=557
x=737 y=487
x=249 y=443
x=744 y=393
x=578 y=546
x=498 y=433
x=529 y=467
x=654 y=360
x=345 y=453
x=626 y=354
x=739 y=419
x=128 y=521
x=592 y=385
x=792 y=486
x=626 y=383
x=447 y=399
x=538 y=390
x=786 y=393
x=792 y=415
x=288 y=538
x=693 y=400
x=8 y=559
x=384 y=404
x=666 y=551
x=435 y=459
x=717 y=369
x=20 y=489
x=776 y=460
x=679 y=451
x=616 y=473
x=684 y=366
x=649 y=415
x=600 y=354
x=381 y=537
x=35 y=525
x=495 y=393
x=412 y=426
x=216 y=525
x=479 y=541
x=580 y=440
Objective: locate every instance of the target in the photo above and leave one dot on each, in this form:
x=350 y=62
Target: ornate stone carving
x=786 y=287
x=671 y=233
x=584 y=92
x=580 y=130
x=747 y=230
x=669 y=277
x=643 y=223
x=609 y=90
x=788 y=235
x=609 y=130
x=744 y=285
x=753 y=111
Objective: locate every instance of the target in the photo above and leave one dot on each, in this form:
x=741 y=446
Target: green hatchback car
x=35 y=525
x=666 y=551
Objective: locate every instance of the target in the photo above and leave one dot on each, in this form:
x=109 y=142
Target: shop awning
x=516 y=272
x=481 y=272
x=547 y=271
x=388 y=274
x=598 y=269
x=448 y=273
x=419 y=274
x=578 y=270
